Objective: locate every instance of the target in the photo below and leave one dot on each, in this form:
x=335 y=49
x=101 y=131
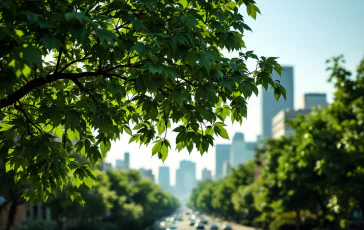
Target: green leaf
x=156 y=148
x=222 y=132
x=105 y=147
x=88 y=182
x=184 y=3
x=137 y=25
x=32 y=55
x=161 y=126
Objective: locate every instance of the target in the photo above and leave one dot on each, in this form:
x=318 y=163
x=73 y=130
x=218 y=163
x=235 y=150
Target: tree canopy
x=77 y=74
x=313 y=178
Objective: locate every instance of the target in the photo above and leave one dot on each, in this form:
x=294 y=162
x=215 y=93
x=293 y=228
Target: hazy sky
x=302 y=34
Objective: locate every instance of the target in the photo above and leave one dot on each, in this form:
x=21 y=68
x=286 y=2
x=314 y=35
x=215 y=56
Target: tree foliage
x=120 y=199
x=313 y=178
x=76 y=75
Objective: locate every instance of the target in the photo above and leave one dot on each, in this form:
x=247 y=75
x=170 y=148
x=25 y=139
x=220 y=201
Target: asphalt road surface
x=185 y=225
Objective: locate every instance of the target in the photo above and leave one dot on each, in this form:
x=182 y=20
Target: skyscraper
x=226 y=168
x=147 y=174
x=241 y=151
x=163 y=177
x=127 y=160
x=222 y=154
x=206 y=174
x=185 y=178
x=119 y=164
x=314 y=99
x=270 y=106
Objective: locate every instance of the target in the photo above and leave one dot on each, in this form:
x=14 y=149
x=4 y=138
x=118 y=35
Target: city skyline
x=308 y=57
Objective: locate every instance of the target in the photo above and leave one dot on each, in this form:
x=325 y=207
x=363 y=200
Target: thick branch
x=38 y=82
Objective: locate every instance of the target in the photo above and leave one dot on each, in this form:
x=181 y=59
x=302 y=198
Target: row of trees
x=119 y=199
x=311 y=179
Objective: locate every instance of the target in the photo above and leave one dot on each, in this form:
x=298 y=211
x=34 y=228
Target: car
x=200 y=226
x=214 y=227
x=172 y=228
x=192 y=222
x=162 y=223
x=226 y=227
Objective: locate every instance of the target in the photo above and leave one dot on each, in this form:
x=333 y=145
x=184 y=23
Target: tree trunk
x=11 y=214
x=298 y=219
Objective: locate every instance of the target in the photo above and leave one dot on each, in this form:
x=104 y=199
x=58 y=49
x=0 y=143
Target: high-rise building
x=119 y=164
x=241 y=151
x=147 y=174
x=206 y=174
x=163 y=177
x=185 y=178
x=127 y=160
x=222 y=154
x=106 y=166
x=310 y=100
x=279 y=122
x=226 y=168
x=270 y=106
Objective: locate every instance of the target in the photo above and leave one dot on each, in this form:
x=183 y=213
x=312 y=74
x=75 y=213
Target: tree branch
x=26 y=117
x=38 y=82
x=73 y=62
x=121 y=66
x=78 y=83
x=59 y=60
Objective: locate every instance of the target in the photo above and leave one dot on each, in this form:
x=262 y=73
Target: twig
x=73 y=62
x=78 y=83
x=59 y=60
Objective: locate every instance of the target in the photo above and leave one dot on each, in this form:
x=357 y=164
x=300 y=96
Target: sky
x=303 y=34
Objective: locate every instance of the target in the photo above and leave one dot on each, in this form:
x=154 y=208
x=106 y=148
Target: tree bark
x=298 y=220
x=11 y=214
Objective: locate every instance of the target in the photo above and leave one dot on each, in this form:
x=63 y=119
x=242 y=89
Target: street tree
x=76 y=75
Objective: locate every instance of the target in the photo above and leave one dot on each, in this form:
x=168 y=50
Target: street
x=185 y=224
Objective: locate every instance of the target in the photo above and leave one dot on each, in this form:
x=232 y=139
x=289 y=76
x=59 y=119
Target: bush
x=287 y=221
x=39 y=225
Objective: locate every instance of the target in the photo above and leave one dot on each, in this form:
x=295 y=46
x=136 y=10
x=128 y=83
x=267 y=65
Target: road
x=185 y=225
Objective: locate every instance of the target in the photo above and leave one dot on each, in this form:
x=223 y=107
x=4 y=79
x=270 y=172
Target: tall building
x=106 y=166
x=147 y=174
x=279 y=122
x=241 y=151
x=310 y=100
x=206 y=174
x=185 y=178
x=226 y=168
x=222 y=154
x=270 y=106
x=127 y=160
x=163 y=177
x=119 y=164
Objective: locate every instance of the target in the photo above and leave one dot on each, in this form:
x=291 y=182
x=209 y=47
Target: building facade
x=279 y=122
x=226 y=168
x=119 y=164
x=241 y=151
x=164 y=177
x=127 y=160
x=147 y=174
x=206 y=174
x=310 y=100
x=270 y=106
x=185 y=179
x=222 y=154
